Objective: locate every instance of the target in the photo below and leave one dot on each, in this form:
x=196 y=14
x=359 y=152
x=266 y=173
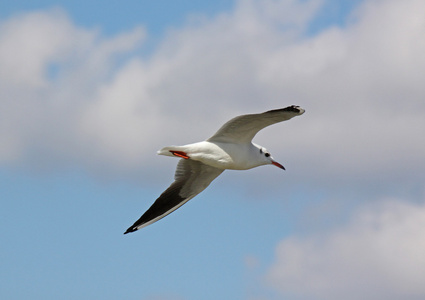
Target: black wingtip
x=131 y=229
x=292 y=108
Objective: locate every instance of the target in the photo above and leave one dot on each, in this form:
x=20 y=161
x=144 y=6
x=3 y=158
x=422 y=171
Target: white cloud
x=71 y=95
x=29 y=43
x=379 y=254
x=50 y=72
x=360 y=87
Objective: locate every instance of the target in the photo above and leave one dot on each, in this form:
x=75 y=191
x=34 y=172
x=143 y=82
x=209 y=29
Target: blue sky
x=90 y=90
x=114 y=17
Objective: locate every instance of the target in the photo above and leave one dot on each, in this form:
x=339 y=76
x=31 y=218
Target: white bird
x=230 y=147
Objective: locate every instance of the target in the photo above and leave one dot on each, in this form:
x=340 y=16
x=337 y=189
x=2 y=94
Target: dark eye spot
x=261 y=151
x=267 y=154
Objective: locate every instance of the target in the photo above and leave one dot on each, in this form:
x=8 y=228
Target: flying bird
x=200 y=163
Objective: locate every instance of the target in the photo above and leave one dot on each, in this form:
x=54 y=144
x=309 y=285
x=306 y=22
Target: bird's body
x=230 y=147
x=220 y=155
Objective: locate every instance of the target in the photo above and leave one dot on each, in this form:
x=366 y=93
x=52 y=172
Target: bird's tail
x=168 y=151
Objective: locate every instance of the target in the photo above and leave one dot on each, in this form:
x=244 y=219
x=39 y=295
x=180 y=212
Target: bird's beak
x=278 y=164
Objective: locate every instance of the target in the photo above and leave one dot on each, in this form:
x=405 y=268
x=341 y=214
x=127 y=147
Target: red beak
x=278 y=165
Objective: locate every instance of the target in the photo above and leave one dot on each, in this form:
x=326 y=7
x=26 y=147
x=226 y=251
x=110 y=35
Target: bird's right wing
x=191 y=178
x=242 y=129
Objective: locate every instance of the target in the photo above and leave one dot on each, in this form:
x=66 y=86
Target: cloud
x=50 y=72
x=379 y=254
x=71 y=96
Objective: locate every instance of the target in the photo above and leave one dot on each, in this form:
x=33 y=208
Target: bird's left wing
x=243 y=128
x=191 y=178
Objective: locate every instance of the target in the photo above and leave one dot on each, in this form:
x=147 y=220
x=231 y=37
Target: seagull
x=200 y=163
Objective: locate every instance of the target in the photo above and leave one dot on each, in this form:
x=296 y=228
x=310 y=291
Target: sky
x=90 y=90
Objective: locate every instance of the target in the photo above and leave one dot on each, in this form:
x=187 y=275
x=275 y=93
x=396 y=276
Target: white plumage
x=230 y=147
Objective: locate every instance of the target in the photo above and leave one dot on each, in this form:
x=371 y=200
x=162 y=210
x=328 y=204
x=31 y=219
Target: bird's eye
x=267 y=154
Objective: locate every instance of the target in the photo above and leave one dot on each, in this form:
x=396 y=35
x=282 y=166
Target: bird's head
x=266 y=157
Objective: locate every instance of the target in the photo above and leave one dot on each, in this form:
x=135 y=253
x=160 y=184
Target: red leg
x=180 y=154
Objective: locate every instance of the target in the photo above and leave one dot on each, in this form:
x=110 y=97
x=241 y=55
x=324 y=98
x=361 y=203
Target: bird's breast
x=224 y=156
x=212 y=155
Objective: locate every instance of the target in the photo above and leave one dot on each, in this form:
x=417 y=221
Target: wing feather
x=242 y=129
x=191 y=178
